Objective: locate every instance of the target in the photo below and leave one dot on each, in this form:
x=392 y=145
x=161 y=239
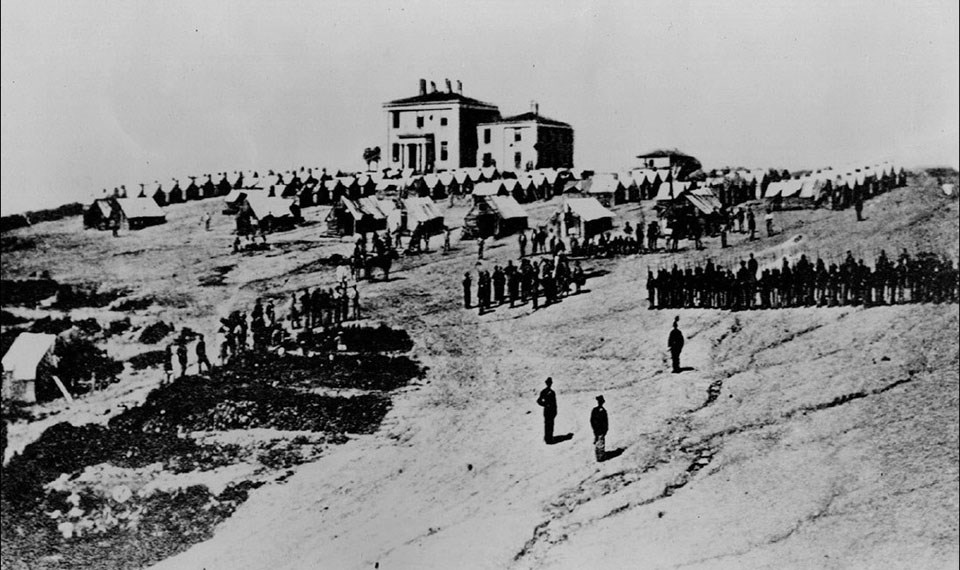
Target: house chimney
x=534 y=107
x=423 y=86
x=433 y=86
x=459 y=87
x=449 y=86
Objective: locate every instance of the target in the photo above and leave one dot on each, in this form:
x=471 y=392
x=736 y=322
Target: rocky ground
x=805 y=438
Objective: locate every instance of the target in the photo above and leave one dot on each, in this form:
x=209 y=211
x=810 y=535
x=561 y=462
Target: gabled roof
x=264 y=206
x=421 y=210
x=507 y=207
x=587 y=209
x=25 y=354
x=533 y=117
x=488 y=188
x=663 y=192
x=140 y=208
x=438 y=97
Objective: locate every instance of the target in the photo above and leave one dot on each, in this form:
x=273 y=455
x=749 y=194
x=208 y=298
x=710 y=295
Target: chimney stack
x=459 y=87
x=535 y=108
x=433 y=86
x=449 y=86
x=423 y=86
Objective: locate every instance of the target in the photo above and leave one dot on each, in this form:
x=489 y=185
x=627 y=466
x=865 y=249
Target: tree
x=371 y=156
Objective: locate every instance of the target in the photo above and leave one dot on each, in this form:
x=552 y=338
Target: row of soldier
x=552 y=278
x=926 y=277
x=325 y=306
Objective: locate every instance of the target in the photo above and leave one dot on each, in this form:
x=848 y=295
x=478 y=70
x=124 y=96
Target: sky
x=97 y=94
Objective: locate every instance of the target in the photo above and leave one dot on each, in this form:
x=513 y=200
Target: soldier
x=858 y=204
x=548 y=401
x=675 y=344
x=535 y=284
x=182 y=356
x=271 y=314
x=202 y=355
x=356 y=302
x=768 y=220
x=168 y=364
x=752 y=224
x=294 y=312
x=499 y=280
x=306 y=308
x=653 y=232
x=480 y=242
x=600 y=425
x=579 y=279
x=522 y=239
x=512 y=276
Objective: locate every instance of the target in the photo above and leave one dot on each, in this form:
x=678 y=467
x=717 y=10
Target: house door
x=412 y=156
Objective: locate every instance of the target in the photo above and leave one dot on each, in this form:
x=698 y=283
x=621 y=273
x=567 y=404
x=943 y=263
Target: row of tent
x=835 y=188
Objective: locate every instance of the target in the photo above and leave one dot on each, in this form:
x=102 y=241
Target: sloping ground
x=800 y=438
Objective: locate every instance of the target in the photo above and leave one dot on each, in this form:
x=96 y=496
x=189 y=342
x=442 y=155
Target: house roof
x=704 y=200
x=25 y=354
x=532 y=117
x=488 y=188
x=507 y=207
x=438 y=97
x=140 y=208
x=264 y=206
x=421 y=210
x=587 y=209
x=663 y=192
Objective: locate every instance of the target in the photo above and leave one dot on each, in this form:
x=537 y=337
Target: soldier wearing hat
x=675 y=344
x=600 y=424
x=548 y=401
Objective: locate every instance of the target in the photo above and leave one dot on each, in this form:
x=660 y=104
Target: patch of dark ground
x=255 y=390
x=8 y=319
x=27 y=292
x=357 y=339
x=216 y=276
x=149 y=359
x=155 y=332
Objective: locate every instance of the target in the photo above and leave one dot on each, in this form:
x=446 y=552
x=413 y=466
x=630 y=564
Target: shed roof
x=587 y=209
x=507 y=207
x=25 y=354
x=140 y=208
x=421 y=210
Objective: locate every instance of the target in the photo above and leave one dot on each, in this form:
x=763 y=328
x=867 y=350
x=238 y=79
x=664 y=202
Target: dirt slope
x=802 y=438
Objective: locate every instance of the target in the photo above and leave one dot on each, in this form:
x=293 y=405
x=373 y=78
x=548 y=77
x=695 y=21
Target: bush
x=154 y=333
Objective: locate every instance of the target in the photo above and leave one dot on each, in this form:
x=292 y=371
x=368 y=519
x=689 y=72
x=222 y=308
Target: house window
x=486 y=136
x=396 y=119
x=396 y=152
x=516 y=135
x=443 y=150
x=443 y=121
x=420 y=122
x=487 y=159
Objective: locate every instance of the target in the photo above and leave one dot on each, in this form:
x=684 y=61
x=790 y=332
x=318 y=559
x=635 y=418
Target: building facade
x=525 y=142
x=436 y=129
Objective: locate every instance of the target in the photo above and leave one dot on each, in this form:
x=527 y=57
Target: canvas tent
x=140 y=212
x=102 y=214
x=271 y=213
x=356 y=216
x=607 y=189
x=408 y=214
x=484 y=189
x=584 y=218
x=495 y=216
x=29 y=361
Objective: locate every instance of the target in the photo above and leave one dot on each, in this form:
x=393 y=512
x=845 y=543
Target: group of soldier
x=924 y=278
x=179 y=347
x=325 y=306
x=552 y=278
x=263 y=330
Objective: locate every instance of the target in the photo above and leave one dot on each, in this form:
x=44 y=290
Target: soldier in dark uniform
x=651 y=289
x=675 y=344
x=498 y=282
x=535 y=284
x=548 y=401
x=467 y=281
x=202 y=355
x=600 y=425
x=182 y=356
x=522 y=239
x=513 y=282
x=752 y=224
x=578 y=277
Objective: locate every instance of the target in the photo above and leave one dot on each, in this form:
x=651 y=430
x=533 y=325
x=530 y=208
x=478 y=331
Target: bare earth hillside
x=798 y=438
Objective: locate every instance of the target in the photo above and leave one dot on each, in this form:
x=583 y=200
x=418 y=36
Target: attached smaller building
x=525 y=142
x=583 y=218
x=29 y=361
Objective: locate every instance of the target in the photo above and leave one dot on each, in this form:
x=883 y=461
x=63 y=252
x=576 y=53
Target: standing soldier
x=675 y=344
x=202 y=355
x=858 y=204
x=579 y=279
x=294 y=312
x=480 y=242
x=522 y=239
x=653 y=231
x=499 y=280
x=600 y=425
x=355 y=298
x=466 y=289
x=752 y=224
x=182 y=356
x=306 y=308
x=548 y=401
x=168 y=363
x=768 y=219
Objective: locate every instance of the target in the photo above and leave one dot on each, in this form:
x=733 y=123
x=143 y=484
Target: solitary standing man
x=599 y=423
x=675 y=343
x=548 y=401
